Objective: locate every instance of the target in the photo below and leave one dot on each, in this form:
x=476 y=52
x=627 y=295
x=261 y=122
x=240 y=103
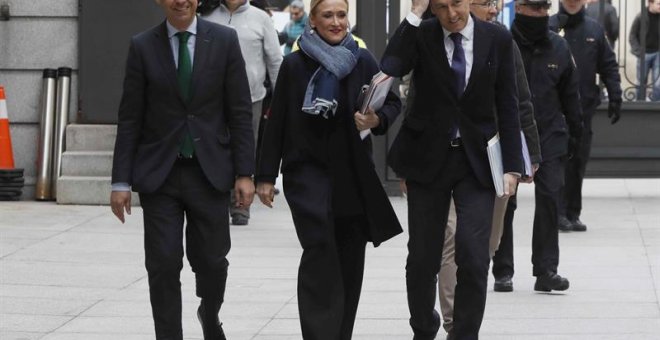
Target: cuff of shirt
x=515 y=174
x=121 y=187
x=413 y=19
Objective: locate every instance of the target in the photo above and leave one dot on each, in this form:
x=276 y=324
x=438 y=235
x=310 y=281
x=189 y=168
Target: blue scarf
x=336 y=63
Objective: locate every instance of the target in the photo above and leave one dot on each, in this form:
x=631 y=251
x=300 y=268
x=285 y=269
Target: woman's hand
x=368 y=120
x=266 y=193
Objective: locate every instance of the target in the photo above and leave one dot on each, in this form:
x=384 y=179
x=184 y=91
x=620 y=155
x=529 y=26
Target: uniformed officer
x=553 y=82
x=593 y=55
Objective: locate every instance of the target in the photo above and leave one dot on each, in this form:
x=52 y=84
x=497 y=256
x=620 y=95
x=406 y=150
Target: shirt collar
x=467 y=32
x=171 y=30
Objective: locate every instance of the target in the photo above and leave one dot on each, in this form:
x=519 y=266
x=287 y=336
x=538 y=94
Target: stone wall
x=40 y=34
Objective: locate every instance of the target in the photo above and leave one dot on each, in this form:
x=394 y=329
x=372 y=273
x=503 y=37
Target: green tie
x=183 y=75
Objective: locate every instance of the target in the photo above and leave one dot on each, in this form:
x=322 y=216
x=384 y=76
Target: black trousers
x=545 y=242
x=503 y=259
x=332 y=264
x=428 y=206
x=186 y=192
x=576 y=167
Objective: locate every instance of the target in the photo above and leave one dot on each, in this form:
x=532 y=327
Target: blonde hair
x=315 y=3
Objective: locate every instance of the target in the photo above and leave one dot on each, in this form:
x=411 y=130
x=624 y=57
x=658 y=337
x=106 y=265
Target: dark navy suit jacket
x=489 y=103
x=153 y=116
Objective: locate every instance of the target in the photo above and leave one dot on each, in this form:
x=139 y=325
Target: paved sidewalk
x=74 y=272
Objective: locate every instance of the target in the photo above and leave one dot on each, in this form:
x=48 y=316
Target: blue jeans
x=652 y=64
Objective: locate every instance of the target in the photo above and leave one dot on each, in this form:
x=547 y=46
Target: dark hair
x=206 y=6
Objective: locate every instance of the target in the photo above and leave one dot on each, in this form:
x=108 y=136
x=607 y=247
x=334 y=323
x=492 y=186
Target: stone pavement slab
x=75 y=272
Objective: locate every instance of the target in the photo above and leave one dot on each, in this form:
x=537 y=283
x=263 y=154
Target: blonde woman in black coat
x=336 y=199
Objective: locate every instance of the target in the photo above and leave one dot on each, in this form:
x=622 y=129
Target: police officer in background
x=593 y=55
x=553 y=82
x=609 y=19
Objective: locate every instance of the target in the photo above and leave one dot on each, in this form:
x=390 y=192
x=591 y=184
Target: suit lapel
x=481 y=47
x=438 y=49
x=165 y=58
x=438 y=52
x=203 y=42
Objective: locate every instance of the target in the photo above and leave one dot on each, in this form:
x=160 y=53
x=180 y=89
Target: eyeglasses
x=489 y=3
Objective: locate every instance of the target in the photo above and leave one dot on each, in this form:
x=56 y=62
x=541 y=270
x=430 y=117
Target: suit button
x=191 y=117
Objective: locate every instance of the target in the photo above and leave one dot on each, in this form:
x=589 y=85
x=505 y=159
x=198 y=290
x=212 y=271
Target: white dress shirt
x=468 y=42
x=174 y=40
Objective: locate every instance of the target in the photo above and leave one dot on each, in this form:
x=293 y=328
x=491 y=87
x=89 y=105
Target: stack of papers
x=494 y=151
x=374 y=95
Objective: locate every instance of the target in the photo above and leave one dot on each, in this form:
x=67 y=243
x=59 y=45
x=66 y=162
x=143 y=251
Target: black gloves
x=614 y=111
x=573 y=146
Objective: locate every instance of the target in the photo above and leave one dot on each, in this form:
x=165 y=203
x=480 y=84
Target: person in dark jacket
x=553 y=82
x=330 y=183
x=184 y=139
x=647 y=39
x=502 y=226
x=593 y=55
x=465 y=92
x=609 y=20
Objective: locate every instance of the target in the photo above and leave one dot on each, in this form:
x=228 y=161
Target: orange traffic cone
x=6 y=154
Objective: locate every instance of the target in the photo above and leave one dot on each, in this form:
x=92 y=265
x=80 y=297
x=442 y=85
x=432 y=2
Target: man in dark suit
x=465 y=93
x=184 y=139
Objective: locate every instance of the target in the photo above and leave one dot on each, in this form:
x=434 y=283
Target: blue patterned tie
x=458 y=66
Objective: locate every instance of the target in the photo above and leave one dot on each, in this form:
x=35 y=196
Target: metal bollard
x=61 y=119
x=45 y=152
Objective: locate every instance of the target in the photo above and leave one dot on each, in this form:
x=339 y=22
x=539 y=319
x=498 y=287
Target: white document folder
x=494 y=150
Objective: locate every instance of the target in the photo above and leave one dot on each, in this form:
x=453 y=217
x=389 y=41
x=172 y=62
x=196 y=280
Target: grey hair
x=297 y=4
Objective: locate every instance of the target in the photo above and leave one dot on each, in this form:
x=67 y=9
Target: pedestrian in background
x=295 y=27
x=336 y=198
x=593 y=56
x=554 y=84
x=609 y=19
x=258 y=42
x=647 y=28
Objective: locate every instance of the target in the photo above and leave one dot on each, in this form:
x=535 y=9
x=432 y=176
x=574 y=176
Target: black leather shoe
x=211 y=326
x=578 y=225
x=550 y=282
x=503 y=284
x=564 y=224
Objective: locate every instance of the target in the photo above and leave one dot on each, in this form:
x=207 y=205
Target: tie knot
x=456 y=37
x=183 y=37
